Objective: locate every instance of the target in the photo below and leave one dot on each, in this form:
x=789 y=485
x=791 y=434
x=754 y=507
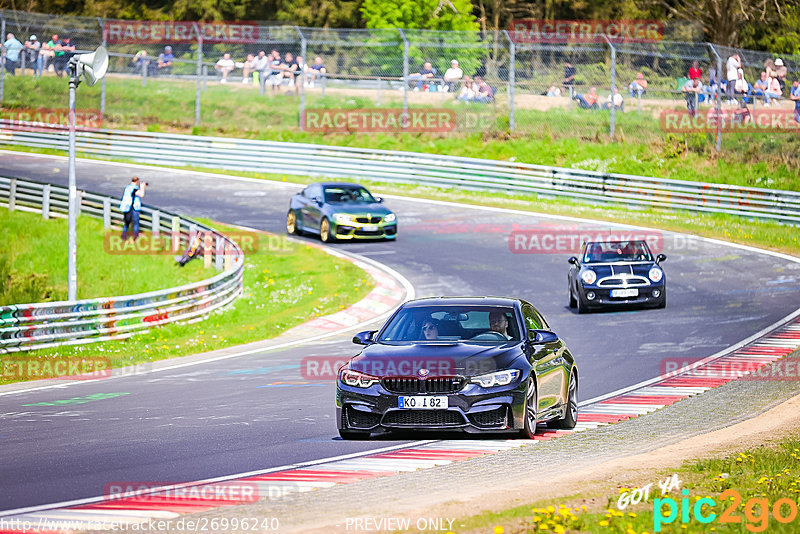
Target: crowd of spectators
x=53 y=55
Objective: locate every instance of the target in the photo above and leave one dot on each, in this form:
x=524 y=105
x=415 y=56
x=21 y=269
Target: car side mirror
x=364 y=338
x=379 y=200
x=660 y=258
x=573 y=260
x=542 y=336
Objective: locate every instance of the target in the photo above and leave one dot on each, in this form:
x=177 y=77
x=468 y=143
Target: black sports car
x=481 y=364
x=614 y=273
x=340 y=211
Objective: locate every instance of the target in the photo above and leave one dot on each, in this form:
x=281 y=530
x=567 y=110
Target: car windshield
x=484 y=324
x=613 y=251
x=348 y=195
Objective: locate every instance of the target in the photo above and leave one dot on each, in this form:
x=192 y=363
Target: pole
x=512 y=51
x=719 y=96
x=405 y=72
x=72 y=253
x=303 y=50
x=612 y=125
x=199 y=76
x=103 y=81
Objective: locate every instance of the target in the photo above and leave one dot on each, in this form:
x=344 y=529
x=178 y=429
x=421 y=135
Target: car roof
x=337 y=184
x=462 y=301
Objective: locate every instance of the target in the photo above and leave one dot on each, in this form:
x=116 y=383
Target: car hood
x=639 y=269
x=357 y=209
x=438 y=359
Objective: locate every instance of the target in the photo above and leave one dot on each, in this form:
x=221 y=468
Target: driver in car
x=430 y=330
x=498 y=322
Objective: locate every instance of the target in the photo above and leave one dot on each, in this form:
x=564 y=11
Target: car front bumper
x=602 y=296
x=357 y=231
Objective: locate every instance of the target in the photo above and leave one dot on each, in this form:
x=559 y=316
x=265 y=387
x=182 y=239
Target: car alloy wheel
x=570 y=418
x=291 y=223
x=325 y=231
x=531 y=410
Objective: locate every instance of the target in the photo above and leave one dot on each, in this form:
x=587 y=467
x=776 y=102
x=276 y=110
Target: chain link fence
x=391 y=80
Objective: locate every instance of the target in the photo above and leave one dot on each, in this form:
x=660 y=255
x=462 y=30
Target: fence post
x=512 y=52
x=2 y=55
x=12 y=194
x=46 y=202
x=303 y=51
x=205 y=77
x=199 y=74
x=103 y=81
x=612 y=125
x=218 y=247
x=106 y=213
x=207 y=244
x=719 y=96
x=155 y=225
x=405 y=71
x=380 y=82
x=176 y=234
x=22 y=54
x=145 y=68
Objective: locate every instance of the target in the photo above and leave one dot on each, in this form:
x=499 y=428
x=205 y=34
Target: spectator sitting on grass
x=13 y=48
x=248 y=68
x=484 y=93
x=467 y=92
x=695 y=71
x=553 y=91
x=638 y=86
x=425 y=73
x=794 y=95
x=691 y=90
x=453 y=75
x=165 y=60
x=761 y=87
x=589 y=100
x=225 y=66
x=617 y=101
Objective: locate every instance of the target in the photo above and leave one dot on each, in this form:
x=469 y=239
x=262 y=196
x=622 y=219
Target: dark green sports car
x=340 y=211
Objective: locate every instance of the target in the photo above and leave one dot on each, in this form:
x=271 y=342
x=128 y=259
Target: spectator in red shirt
x=695 y=72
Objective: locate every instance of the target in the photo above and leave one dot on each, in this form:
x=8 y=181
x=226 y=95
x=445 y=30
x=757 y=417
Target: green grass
x=285 y=284
x=35 y=259
x=762 y=475
x=571 y=138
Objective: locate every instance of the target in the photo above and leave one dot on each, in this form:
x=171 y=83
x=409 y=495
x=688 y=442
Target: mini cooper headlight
x=356 y=379
x=655 y=274
x=343 y=218
x=500 y=378
x=390 y=218
x=588 y=276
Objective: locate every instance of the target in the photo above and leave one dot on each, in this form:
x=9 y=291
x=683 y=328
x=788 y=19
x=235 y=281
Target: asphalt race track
x=240 y=415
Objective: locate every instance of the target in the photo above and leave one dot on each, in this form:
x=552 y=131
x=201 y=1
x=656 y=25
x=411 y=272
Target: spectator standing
x=695 y=71
x=732 y=66
x=260 y=68
x=248 y=68
x=453 y=75
x=131 y=205
x=794 y=94
x=780 y=73
x=589 y=100
x=638 y=87
x=13 y=47
x=165 y=60
x=32 y=48
x=569 y=77
x=425 y=73
x=225 y=66
x=691 y=90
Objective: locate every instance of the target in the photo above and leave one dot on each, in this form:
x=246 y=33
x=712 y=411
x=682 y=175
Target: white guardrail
x=410 y=167
x=48 y=324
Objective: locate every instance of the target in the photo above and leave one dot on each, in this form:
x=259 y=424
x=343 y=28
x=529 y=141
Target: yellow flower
x=498 y=530
x=631 y=514
x=559 y=529
x=603 y=523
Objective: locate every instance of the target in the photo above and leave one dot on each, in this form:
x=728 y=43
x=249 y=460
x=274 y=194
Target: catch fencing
x=409 y=167
x=380 y=68
x=48 y=324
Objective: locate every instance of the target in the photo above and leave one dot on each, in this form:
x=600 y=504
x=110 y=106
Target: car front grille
x=638 y=281
x=368 y=220
x=358 y=419
x=496 y=417
x=423 y=418
x=404 y=385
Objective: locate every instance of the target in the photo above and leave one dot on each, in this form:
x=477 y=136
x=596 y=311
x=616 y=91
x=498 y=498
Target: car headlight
x=655 y=274
x=343 y=218
x=500 y=378
x=390 y=218
x=588 y=277
x=356 y=379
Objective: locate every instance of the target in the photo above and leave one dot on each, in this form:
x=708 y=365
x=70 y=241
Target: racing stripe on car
x=624 y=406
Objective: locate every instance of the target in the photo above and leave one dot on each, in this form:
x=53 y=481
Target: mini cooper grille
x=622 y=281
x=452 y=384
x=359 y=419
x=496 y=417
x=368 y=220
x=423 y=418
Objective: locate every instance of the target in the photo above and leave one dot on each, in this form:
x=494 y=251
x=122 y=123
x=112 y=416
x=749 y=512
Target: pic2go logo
x=756 y=511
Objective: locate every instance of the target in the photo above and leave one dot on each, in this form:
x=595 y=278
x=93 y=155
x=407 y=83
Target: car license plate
x=370 y=228
x=422 y=403
x=625 y=292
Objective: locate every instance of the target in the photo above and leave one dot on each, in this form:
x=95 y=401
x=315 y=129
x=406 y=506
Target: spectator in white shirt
x=453 y=75
x=225 y=66
x=733 y=65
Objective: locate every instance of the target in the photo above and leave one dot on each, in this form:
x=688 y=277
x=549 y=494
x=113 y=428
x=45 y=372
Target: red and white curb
x=276 y=483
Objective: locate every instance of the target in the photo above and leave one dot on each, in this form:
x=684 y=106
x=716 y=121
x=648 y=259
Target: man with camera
x=131 y=205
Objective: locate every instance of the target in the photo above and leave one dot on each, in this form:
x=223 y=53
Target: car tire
x=572 y=301
x=663 y=303
x=531 y=410
x=291 y=224
x=352 y=435
x=581 y=307
x=570 y=418
x=325 y=231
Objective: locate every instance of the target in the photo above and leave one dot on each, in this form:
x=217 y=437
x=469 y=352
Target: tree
x=455 y=15
x=321 y=13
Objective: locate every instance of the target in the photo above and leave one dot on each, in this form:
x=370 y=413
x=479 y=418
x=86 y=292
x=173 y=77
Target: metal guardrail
x=48 y=324
x=410 y=167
